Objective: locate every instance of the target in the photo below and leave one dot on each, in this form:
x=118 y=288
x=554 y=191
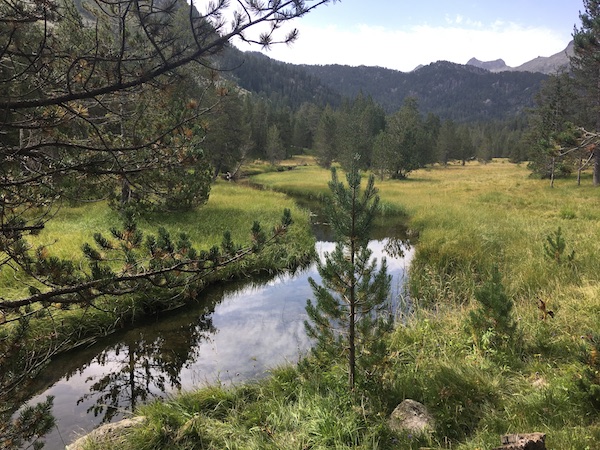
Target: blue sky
x=402 y=34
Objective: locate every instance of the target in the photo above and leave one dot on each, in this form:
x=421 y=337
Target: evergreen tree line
x=391 y=145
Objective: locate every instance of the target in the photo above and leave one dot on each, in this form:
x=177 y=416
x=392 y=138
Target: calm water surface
x=237 y=333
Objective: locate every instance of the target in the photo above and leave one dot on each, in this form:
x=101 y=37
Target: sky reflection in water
x=240 y=335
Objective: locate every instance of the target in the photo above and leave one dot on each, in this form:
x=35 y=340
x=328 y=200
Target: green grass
x=231 y=207
x=284 y=411
x=311 y=182
x=304 y=181
x=468 y=220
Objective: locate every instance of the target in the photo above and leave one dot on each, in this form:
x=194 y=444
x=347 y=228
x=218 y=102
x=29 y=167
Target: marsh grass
x=311 y=182
x=469 y=219
x=285 y=411
x=304 y=181
x=230 y=208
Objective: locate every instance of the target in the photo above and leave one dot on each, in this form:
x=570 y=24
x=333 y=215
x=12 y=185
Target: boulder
x=109 y=432
x=411 y=416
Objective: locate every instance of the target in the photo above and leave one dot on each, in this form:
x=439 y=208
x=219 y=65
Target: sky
x=403 y=34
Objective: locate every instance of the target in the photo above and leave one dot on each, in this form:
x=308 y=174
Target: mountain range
x=477 y=91
x=472 y=92
x=463 y=93
x=548 y=65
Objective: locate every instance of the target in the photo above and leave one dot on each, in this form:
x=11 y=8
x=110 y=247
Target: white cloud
x=458 y=19
x=404 y=49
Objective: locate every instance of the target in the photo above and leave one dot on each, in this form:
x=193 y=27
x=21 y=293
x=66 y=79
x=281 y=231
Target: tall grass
x=303 y=181
x=469 y=220
x=282 y=412
x=230 y=207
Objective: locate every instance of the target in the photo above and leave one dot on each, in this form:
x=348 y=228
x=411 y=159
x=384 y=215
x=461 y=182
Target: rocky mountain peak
x=493 y=66
x=542 y=64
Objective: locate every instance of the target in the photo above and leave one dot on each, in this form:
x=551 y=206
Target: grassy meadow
x=478 y=384
x=230 y=207
x=469 y=220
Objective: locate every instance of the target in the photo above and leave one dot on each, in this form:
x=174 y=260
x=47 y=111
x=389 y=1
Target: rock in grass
x=411 y=416
x=107 y=433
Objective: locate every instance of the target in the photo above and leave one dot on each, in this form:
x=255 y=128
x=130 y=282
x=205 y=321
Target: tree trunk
x=351 y=338
x=596 y=167
x=352 y=321
x=125 y=191
x=217 y=170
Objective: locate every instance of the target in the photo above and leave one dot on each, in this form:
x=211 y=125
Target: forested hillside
x=451 y=91
x=283 y=84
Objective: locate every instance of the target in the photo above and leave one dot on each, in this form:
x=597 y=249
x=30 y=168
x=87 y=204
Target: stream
x=234 y=333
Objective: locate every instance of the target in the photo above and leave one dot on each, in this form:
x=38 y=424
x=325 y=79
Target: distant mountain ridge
x=475 y=92
x=493 y=66
x=279 y=82
x=463 y=93
x=547 y=65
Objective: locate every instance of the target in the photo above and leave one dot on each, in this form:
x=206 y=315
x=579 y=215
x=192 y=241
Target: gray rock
x=109 y=432
x=411 y=416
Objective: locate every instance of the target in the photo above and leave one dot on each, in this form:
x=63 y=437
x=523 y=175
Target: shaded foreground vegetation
x=481 y=368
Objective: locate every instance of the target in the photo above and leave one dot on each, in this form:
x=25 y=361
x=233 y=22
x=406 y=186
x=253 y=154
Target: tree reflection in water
x=147 y=361
x=193 y=345
x=396 y=247
x=144 y=364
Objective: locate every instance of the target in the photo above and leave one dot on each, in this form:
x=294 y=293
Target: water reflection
x=237 y=332
x=384 y=228
x=144 y=363
x=395 y=247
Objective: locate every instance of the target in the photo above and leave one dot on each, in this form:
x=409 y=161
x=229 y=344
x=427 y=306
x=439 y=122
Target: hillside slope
x=452 y=91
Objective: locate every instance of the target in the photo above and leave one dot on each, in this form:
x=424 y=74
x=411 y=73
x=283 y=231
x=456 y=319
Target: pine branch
x=114 y=284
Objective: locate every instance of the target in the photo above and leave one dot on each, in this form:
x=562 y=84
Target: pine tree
x=275 y=150
x=550 y=129
x=408 y=139
x=348 y=316
x=325 y=138
x=493 y=325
